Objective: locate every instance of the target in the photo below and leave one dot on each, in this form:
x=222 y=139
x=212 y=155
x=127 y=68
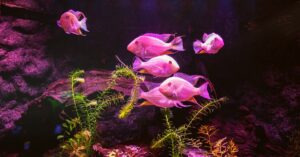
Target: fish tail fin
x=177 y=44
x=137 y=64
x=83 y=24
x=203 y=91
x=197 y=45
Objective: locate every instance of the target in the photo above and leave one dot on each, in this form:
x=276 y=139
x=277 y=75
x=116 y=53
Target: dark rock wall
x=24 y=67
x=262 y=117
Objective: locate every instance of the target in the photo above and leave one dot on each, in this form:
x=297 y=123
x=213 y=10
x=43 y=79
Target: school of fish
x=152 y=57
x=152 y=53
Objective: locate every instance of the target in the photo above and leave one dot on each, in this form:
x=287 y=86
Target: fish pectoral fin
x=143 y=71
x=145 y=103
x=202 y=52
x=180 y=105
x=168 y=53
x=193 y=100
x=79 y=32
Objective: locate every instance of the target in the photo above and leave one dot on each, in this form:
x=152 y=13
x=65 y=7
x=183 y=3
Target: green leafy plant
x=173 y=137
x=88 y=111
x=126 y=72
x=69 y=127
x=177 y=138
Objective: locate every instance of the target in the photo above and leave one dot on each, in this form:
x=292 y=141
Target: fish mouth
x=129 y=48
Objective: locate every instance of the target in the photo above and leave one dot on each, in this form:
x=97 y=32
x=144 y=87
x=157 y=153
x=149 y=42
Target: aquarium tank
x=149 y=78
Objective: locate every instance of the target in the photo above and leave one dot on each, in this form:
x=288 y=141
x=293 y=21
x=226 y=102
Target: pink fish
x=211 y=44
x=180 y=89
x=160 y=66
x=156 y=98
x=149 y=46
x=69 y=21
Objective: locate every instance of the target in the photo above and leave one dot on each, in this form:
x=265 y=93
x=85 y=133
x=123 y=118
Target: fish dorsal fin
x=162 y=37
x=145 y=103
x=205 y=37
x=193 y=79
x=72 y=11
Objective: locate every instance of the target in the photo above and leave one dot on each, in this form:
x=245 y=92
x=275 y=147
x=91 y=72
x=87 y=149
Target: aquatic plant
x=69 y=127
x=77 y=146
x=75 y=77
x=206 y=132
x=174 y=137
x=177 y=138
x=122 y=151
x=219 y=148
x=223 y=148
x=126 y=72
x=87 y=112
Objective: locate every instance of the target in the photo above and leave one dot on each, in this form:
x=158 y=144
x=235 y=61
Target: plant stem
x=74 y=100
x=162 y=139
x=169 y=127
x=203 y=111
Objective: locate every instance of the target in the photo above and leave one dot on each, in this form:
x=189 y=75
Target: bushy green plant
x=173 y=137
x=69 y=127
x=88 y=111
x=177 y=138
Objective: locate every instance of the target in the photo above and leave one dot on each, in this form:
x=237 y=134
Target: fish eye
x=170 y=62
x=67 y=16
x=136 y=42
x=169 y=84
